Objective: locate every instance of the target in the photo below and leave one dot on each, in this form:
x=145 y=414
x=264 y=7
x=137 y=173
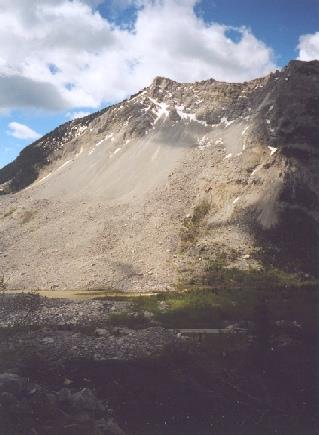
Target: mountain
x=147 y=192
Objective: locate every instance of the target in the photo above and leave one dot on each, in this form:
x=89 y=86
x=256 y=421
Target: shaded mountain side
x=158 y=186
x=25 y=169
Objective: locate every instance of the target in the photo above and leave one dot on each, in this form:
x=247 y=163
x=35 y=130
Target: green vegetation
x=284 y=296
x=205 y=308
x=219 y=276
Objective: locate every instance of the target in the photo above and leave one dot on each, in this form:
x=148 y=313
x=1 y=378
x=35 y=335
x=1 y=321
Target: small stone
x=148 y=315
x=113 y=428
x=85 y=399
x=64 y=395
x=11 y=382
x=47 y=340
x=100 y=332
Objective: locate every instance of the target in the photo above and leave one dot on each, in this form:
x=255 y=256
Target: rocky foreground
x=83 y=329
x=51 y=333
x=105 y=367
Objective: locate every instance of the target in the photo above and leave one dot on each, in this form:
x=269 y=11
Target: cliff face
x=177 y=175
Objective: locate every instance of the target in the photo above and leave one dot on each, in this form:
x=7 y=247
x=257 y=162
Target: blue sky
x=60 y=58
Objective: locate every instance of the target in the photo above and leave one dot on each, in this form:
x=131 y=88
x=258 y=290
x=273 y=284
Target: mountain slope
x=141 y=193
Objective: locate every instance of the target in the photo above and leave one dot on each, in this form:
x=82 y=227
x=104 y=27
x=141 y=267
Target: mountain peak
x=243 y=156
x=160 y=81
x=299 y=66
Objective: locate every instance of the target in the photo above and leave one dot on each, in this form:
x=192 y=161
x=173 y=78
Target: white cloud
x=76 y=115
x=21 y=131
x=59 y=54
x=309 y=47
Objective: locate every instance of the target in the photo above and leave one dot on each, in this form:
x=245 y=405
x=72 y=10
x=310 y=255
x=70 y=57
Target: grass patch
x=220 y=295
x=234 y=295
x=218 y=276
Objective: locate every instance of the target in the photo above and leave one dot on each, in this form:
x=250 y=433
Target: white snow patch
x=183 y=115
x=161 y=111
x=271 y=108
x=228 y=156
x=64 y=164
x=99 y=143
x=236 y=200
x=256 y=170
x=245 y=130
x=225 y=121
x=107 y=137
x=115 y=152
x=44 y=178
x=191 y=117
x=268 y=121
x=272 y=150
x=204 y=123
x=155 y=154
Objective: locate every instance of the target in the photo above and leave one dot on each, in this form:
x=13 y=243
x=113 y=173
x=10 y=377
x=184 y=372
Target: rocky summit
x=144 y=194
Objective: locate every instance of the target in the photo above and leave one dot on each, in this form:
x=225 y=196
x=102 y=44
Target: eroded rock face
x=102 y=201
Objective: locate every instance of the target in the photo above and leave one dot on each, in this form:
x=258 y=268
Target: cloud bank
x=21 y=131
x=77 y=115
x=309 y=47
x=61 y=54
